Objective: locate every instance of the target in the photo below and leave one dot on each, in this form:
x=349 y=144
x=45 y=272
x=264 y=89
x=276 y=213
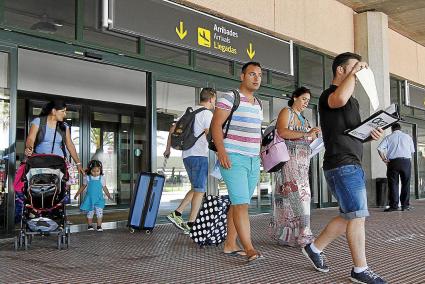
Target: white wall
x=64 y=76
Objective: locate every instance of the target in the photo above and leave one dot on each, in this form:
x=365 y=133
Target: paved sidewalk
x=395 y=249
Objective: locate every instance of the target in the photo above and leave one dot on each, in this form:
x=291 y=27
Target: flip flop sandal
x=254 y=257
x=240 y=252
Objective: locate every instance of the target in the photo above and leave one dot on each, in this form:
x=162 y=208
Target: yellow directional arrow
x=181 y=32
x=250 y=51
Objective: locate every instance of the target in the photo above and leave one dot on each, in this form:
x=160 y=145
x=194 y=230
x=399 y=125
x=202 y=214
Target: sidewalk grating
x=394 y=250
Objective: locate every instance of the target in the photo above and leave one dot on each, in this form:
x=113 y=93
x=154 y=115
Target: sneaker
x=366 y=277
x=390 y=209
x=90 y=228
x=176 y=220
x=186 y=229
x=99 y=229
x=317 y=259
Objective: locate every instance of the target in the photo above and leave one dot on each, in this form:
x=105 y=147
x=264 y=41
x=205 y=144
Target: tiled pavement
x=395 y=249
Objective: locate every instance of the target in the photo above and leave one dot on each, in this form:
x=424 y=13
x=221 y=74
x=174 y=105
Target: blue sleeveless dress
x=94 y=195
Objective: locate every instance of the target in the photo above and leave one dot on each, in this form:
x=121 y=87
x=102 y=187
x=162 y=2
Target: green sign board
x=174 y=24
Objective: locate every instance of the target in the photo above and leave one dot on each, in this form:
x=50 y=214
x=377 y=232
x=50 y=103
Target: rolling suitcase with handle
x=145 y=203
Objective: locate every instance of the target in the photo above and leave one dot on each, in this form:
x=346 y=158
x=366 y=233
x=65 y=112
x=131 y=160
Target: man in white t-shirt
x=195 y=161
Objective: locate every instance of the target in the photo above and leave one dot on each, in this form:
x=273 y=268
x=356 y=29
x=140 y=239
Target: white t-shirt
x=202 y=122
x=102 y=179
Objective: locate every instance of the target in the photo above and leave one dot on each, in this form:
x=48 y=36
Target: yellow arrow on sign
x=181 y=32
x=250 y=51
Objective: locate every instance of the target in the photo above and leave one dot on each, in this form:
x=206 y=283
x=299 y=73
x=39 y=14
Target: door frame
x=12 y=76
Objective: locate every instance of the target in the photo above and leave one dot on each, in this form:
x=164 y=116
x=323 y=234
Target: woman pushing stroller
x=49 y=134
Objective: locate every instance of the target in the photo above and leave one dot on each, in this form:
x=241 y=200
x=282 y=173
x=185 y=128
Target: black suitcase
x=145 y=203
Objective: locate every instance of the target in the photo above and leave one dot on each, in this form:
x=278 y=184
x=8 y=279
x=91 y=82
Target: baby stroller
x=45 y=194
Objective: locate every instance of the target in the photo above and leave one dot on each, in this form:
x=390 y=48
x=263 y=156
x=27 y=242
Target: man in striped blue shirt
x=239 y=156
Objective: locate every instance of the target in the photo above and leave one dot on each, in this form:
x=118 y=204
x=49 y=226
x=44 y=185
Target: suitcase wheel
x=131 y=230
x=148 y=232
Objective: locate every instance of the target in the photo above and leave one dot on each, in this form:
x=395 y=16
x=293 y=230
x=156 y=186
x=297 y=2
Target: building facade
x=126 y=72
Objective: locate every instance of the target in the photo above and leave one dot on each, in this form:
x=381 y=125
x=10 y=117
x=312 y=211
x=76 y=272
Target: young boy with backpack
x=189 y=134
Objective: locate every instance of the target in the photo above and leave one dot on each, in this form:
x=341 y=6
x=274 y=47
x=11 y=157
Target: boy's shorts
x=242 y=178
x=197 y=170
x=348 y=186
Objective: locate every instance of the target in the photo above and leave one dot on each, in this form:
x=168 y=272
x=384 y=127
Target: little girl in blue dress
x=95 y=184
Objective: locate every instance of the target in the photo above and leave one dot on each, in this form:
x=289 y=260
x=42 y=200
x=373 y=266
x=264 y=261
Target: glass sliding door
x=421 y=161
x=264 y=189
x=4 y=142
x=8 y=113
x=410 y=129
x=172 y=101
x=110 y=143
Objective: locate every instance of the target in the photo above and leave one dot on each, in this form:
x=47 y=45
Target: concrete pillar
x=371 y=42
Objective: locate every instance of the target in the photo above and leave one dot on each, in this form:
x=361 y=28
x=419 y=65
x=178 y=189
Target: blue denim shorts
x=197 y=170
x=242 y=177
x=347 y=185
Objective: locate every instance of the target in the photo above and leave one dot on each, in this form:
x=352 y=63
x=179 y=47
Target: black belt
x=399 y=159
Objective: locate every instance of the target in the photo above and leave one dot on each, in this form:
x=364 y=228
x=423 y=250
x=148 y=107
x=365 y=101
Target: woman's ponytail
x=47 y=109
x=291 y=102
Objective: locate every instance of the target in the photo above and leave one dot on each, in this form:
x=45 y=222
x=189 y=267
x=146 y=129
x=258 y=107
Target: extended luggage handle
x=154 y=183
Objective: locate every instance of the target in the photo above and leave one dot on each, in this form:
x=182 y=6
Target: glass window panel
x=405 y=110
x=283 y=81
x=212 y=63
x=408 y=128
x=238 y=67
x=141 y=146
x=421 y=161
x=394 y=91
x=172 y=100
x=4 y=152
x=266 y=111
x=311 y=69
x=328 y=72
x=93 y=31
x=20 y=128
x=419 y=113
x=3 y=70
x=278 y=105
x=315 y=91
x=52 y=17
x=167 y=53
x=104 y=128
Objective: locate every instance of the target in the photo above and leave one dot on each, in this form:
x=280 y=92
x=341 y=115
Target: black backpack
x=226 y=123
x=183 y=136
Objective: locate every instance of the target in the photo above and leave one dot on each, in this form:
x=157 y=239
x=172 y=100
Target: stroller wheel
x=25 y=242
x=15 y=244
x=68 y=240
x=59 y=241
x=21 y=239
x=64 y=241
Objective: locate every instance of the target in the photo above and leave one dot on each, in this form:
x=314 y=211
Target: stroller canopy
x=46 y=161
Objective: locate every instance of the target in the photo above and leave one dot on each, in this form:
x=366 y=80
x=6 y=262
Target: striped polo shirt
x=244 y=136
